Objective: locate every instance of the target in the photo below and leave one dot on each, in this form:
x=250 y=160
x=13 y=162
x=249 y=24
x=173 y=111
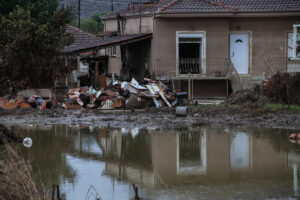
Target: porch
x=203 y=78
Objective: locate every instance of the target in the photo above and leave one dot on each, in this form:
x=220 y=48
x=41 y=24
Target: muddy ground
x=164 y=118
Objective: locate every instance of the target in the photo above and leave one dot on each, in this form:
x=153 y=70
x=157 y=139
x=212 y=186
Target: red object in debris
x=73 y=106
x=293 y=136
x=24 y=105
x=104 y=98
x=298 y=135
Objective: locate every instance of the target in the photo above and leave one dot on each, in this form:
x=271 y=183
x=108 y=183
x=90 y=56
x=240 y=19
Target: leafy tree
x=31 y=36
x=92 y=25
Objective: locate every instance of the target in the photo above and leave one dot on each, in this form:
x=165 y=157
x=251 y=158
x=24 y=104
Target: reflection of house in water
x=198 y=156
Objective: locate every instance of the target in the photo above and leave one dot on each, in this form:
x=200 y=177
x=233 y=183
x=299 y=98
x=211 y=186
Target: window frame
x=184 y=34
x=295 y=27
x=292 y=44
x=113 y=53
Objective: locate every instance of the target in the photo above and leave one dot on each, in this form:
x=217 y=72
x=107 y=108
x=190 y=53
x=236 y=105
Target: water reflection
x=198 y=163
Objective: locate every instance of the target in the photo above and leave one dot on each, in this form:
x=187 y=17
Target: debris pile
x=39 y=98
x=116 y=95
x=123 y=95
x=246 y=98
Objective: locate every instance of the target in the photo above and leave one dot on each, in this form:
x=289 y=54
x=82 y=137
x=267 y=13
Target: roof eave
x=145 y=14
x=103 y=46
x=229 y=14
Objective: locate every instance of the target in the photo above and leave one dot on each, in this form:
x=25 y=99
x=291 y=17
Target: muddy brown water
x=196 y=163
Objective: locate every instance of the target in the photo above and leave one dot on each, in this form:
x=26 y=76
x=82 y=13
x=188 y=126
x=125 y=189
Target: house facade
x=221 y=45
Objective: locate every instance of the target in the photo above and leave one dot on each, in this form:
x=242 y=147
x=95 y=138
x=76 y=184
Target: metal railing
x=190 y=65
x=281 y=65
x=208 y=67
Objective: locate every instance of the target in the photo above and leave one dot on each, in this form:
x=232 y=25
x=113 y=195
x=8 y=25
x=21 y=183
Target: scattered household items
x=181 y=111
x=115 y=95
x=27 y=142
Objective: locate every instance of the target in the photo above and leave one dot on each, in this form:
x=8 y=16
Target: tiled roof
x=105 y=34
x=192 y=6
x=80 y=37
x=114 y=40
x=198 y=6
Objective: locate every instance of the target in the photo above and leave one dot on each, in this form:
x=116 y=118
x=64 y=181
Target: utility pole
x=140 y=9
x=78 y=13
x=112 y=6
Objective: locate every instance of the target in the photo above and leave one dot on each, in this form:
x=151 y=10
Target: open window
x=296 y=42
x=190 y=53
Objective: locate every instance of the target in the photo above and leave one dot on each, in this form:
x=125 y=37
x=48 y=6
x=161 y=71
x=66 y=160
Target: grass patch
x=278 y=107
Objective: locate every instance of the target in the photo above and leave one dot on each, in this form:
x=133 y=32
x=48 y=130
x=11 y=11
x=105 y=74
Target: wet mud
x=163 y=118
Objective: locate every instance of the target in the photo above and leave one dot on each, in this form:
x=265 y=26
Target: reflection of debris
x=136 y=192
x=116 y=95
x=294 y=138
x=92 y=194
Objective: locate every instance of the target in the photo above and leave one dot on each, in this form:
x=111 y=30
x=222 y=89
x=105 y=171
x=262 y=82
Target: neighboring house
x=87 y=60
x=216 y=41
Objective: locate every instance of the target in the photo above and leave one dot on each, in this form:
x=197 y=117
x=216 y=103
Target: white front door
x=239 y=52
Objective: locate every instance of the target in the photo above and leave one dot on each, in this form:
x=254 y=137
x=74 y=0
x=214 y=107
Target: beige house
x=223 y=44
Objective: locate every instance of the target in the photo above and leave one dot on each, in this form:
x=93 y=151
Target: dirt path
x=155 y=119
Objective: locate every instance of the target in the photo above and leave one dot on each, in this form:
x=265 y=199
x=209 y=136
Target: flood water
x=198 y=163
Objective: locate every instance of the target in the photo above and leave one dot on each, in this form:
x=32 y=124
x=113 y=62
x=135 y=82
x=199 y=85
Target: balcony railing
x=190 y=65
x=208 y=67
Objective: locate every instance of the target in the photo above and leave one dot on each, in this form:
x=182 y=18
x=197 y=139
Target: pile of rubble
x=116 y=95
x=246 y=98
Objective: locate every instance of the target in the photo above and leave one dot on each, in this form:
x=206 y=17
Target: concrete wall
x=217 y=45
x=130 y=25
x=110 y=25
x=267 y=39
x=114 y=62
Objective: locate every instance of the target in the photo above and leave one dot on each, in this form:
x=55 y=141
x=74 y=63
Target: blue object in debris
x=175 y=102
x=181 y=94
x=39 y=101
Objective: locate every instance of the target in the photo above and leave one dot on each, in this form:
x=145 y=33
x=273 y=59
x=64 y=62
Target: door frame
x=249 y=50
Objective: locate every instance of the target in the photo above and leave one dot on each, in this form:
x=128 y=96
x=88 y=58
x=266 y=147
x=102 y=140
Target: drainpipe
x=153 y=46
x=112 y=6
x=119 y=24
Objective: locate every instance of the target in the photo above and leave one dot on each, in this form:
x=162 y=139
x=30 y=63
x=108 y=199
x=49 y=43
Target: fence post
x=53 y=192
x=58 y=192
x=189 y=86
